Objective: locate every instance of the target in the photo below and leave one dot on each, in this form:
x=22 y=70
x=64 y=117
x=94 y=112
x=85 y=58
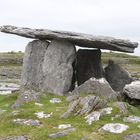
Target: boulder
x=98 y=87
x=32 y=73
x=132 y=91
x=117 y=76
x=88 y=65
x=58 y=67
x=132 y=137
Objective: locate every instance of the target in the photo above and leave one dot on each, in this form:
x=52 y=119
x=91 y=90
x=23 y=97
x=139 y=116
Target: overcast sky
x=117 y=18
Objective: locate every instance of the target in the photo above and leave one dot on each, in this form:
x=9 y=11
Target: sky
x=116 y=18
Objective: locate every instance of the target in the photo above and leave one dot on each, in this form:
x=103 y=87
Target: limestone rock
x=32 y=73
x=58 y=67
x=42 y=115
x=95 y=115
x=98 y=87
x=117 y=76
x=121 y=106
x=132 y=91
x=132 y=119
x=26 y=95
x=61 y=133
x=84 y=105
x=79 y=39
x=28 y=122
x=15 y=138
x=132 y=137
x=55 y=100
x=115 y=128
x=88 y=65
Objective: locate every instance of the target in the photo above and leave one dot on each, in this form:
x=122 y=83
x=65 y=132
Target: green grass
x=7 y=128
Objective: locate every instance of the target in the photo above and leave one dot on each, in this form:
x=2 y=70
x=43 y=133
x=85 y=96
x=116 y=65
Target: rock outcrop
x=88 y=65
x=58 y=67
x=79 y=39
x=117 y=76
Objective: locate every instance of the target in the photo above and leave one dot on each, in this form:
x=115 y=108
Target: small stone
x=132 y=119
x=38 y=104
x=15 y=138
x=55 y=100
x=94 y=116
x=121 y=106
x=106 y=111
x=64 y=126
x=132 y=137
x=16 y=112
x=61 y=133
x=28 y=122
x=115 y=128
x=41 y=115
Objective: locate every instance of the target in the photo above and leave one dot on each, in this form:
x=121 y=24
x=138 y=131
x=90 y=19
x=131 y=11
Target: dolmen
x=53 y=65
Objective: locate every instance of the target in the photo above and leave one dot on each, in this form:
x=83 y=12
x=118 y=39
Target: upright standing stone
x=88 y=65
x=32 y=73
x=58 y=67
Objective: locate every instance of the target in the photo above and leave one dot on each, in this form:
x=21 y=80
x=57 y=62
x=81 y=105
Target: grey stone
x=88 y=65
x=32 y=73
x=132 y=137
x=132 y=119
x=28 y=122
x=98 y=87
x=132 y=90
x=121 y=106
x=61 y=133
x=84 y=40
x=84 y=105
x=58 y=67
x=95 y=115
x=114 y=128
x=15 y=138
x=117 y=76
x=26 y=95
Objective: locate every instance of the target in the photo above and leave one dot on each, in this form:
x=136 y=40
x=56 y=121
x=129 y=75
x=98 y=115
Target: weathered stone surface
x=121 y=106
x=132 y=137
x=84 y=105
x=132 y=119
x=95 y=115
x=98 y=87
x=58 y=67
x=88 y=65
x=15 y=138
x=61 y=133
x=117 y=76
x=115 y=128
x=84 y=40
x=28 y=122
x=132 y=91
x=26 y=95
x=32 y=73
